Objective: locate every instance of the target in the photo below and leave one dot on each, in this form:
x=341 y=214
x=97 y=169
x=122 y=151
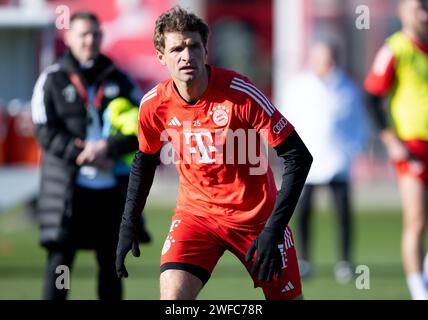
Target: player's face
x=84 y=40
x=414 y=16
x=184 y=55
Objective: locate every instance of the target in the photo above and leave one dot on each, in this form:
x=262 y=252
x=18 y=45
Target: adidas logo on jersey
x=289 y=286
x=174 y=122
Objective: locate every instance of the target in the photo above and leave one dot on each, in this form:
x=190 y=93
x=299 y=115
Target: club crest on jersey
x=220 y=115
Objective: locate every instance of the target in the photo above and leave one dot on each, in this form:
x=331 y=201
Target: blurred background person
x=400 y=74
x=81 y=198
x=325 y=105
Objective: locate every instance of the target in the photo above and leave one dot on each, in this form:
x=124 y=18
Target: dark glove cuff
x=127 y=229
x=276 y=233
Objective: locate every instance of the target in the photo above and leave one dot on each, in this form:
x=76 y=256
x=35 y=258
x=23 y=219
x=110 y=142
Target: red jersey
x=216 y=143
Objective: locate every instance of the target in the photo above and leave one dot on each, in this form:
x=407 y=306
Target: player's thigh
x=191 y=251
x=179 y=285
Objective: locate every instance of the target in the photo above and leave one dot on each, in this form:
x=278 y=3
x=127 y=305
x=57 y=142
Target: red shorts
x=418 y=165
x=200 y=242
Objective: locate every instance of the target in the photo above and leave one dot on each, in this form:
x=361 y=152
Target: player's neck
x=192 y=91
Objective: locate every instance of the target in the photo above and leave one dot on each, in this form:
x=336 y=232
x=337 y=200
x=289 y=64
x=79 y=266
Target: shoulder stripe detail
x=251 y=93
x=38 y=108
x=255 y=93
x=252 y=96
x=152 y=93
x=148 y=97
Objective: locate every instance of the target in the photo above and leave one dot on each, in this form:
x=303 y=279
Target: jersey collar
x=203 y=99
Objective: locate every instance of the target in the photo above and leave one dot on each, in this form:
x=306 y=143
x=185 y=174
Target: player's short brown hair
x=85 y=15
x=177 y=19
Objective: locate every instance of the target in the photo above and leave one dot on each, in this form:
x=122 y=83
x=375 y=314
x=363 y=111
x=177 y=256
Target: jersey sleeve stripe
x=257 y=91
x=253 y=95
x=148 y=97
x=269 y=113
x=151 y=91
x=260 y=96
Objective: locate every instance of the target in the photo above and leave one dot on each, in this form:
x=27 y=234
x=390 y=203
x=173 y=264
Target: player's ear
x=161 y=57
x=206 y=54
x=100 y=35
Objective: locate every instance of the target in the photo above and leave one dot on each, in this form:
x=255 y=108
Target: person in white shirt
x=326 y=107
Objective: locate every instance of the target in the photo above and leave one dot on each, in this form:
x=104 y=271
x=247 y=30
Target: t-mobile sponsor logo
x=203 y=150
x=195 y=145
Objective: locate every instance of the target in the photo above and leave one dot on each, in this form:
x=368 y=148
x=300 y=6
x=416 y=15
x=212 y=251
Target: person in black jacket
x=81 y=195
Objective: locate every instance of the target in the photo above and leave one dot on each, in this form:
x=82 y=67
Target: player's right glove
x=140 y=181
x=128 y=241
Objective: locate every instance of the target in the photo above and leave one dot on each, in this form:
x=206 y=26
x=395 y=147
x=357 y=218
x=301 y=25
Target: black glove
x=297 y=162
x=140 y=181
x=268 y=256
x=128 y=241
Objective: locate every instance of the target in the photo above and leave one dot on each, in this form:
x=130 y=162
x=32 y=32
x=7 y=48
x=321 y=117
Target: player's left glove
x=128 y=241
x=297 y=162
x=140 y=181
x=268 y=257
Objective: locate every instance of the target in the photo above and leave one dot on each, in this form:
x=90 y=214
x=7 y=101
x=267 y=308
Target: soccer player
x=400 y=72
x=225 y=201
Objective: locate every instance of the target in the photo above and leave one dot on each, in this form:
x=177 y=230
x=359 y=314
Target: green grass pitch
x=376 y=245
